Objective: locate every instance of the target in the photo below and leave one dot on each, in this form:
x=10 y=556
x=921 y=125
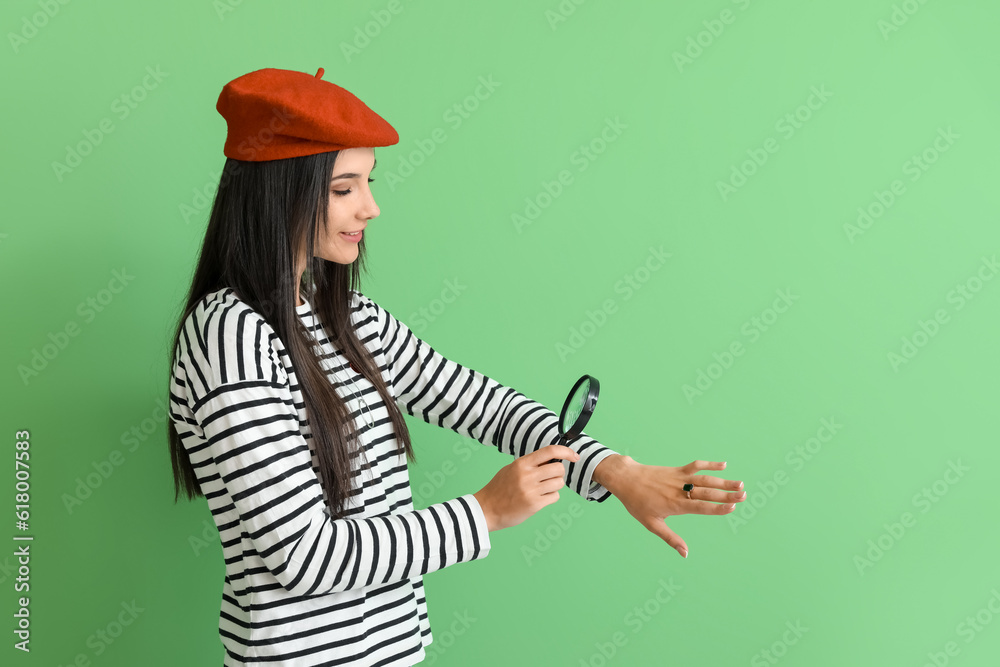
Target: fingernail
x=732 y=507
x=684 y=553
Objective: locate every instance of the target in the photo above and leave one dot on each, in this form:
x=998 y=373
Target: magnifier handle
x=561 y=441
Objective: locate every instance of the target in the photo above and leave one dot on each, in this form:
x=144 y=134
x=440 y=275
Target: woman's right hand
x=523 y=487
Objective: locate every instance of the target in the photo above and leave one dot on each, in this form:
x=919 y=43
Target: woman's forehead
x=360 y=161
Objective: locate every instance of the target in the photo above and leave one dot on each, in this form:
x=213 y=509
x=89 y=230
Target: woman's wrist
x=609 y=471
x=487 y=514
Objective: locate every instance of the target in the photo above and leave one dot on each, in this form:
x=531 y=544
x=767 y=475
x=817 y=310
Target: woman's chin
x=342 y=256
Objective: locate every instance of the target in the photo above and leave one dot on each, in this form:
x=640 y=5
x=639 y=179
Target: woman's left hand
x=651 y=493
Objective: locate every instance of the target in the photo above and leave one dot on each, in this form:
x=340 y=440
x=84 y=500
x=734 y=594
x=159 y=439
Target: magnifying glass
x=577 y=409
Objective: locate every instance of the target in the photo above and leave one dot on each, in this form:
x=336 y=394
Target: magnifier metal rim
x=586 y=411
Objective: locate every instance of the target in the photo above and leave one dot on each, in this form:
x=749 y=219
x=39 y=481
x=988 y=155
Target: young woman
x=286 y=394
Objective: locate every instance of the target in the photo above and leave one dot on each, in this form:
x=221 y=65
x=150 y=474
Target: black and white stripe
x=300 y=588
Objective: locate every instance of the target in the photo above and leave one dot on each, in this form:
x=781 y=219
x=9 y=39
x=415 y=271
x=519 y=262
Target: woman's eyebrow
x=352 y=175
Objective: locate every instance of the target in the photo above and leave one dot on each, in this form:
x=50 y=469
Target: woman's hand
x=523 y=487
x=652 y=493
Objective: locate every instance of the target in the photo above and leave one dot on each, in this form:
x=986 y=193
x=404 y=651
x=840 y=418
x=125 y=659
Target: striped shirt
x=301 y=588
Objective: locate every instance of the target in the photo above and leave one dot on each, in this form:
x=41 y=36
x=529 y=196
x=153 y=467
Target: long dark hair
x=262 y=214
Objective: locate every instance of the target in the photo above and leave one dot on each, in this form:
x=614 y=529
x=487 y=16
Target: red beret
x=273 y=114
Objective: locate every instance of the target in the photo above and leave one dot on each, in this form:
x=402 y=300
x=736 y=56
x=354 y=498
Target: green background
x=792 y=559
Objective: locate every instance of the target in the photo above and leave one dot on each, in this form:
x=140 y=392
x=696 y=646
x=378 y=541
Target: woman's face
x=351 y=205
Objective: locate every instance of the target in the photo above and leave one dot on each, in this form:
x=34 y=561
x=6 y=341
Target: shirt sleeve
x=250 y=431
x=442 y=392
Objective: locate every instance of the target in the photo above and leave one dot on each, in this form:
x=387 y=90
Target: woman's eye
x=347 y=192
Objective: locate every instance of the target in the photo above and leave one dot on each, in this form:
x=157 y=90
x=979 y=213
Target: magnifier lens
x=575 y=406
x=573 y=410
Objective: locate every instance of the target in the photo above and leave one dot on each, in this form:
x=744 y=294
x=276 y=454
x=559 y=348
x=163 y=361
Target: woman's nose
x=371 y=209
